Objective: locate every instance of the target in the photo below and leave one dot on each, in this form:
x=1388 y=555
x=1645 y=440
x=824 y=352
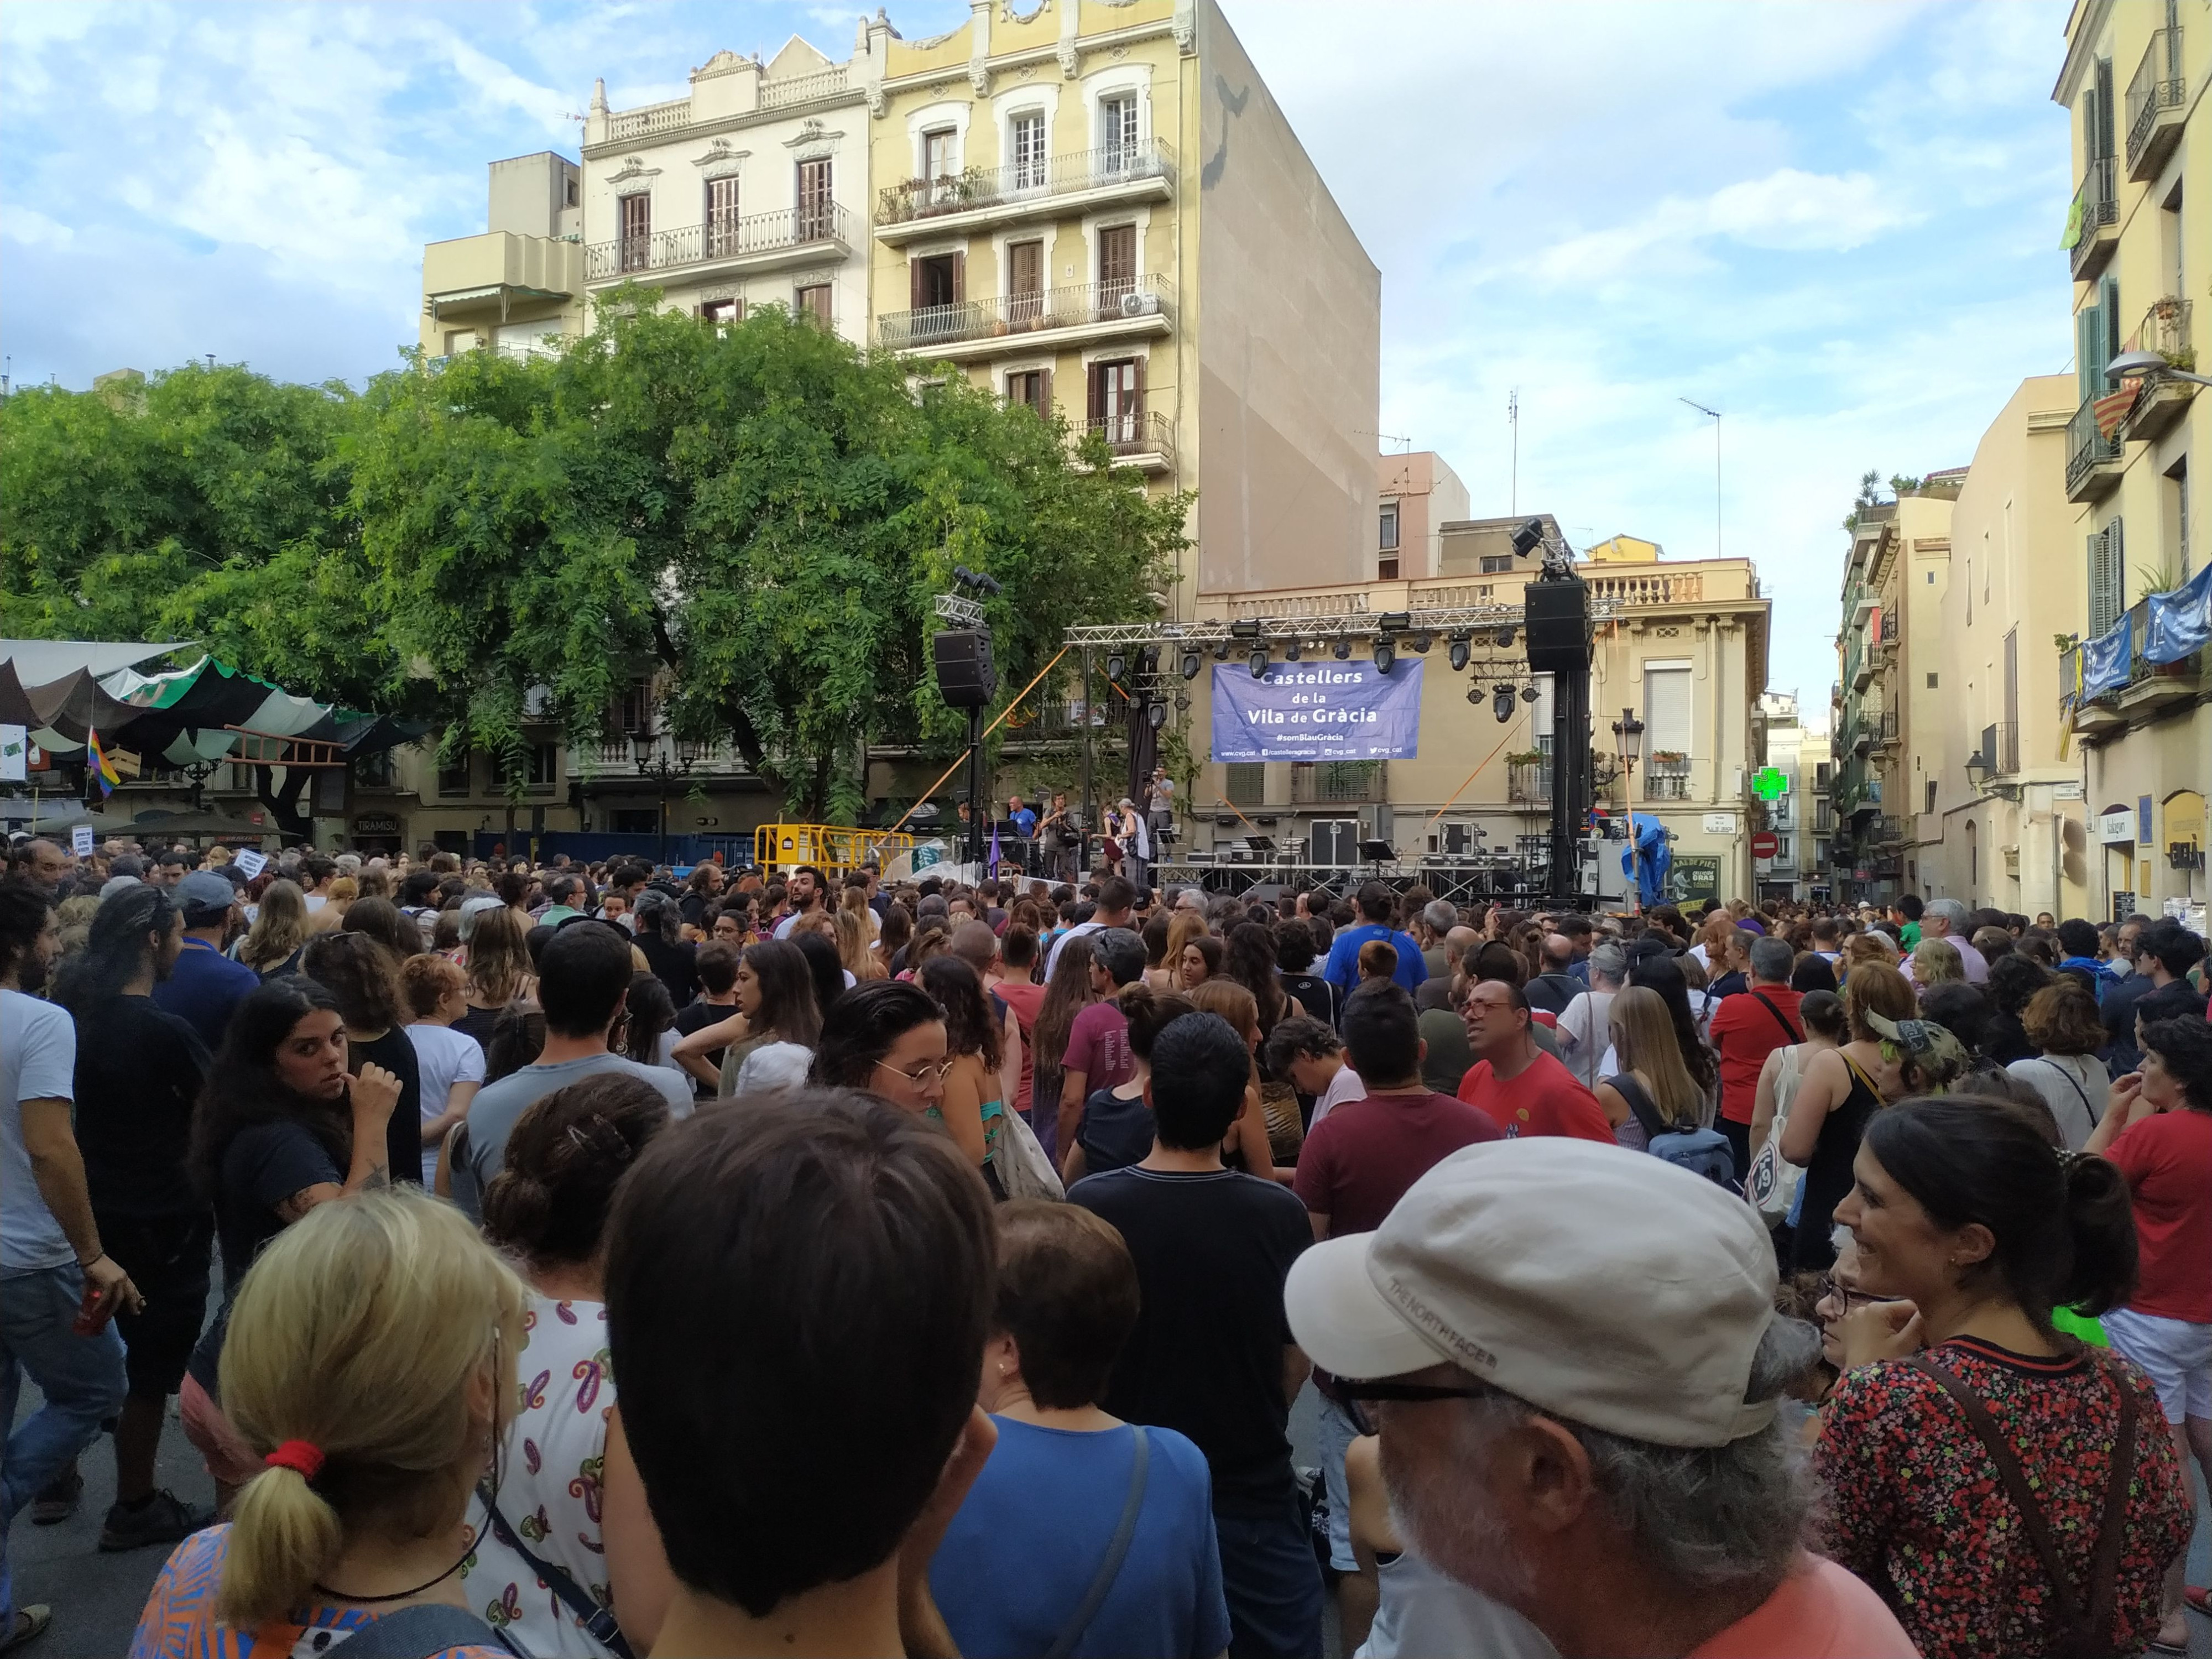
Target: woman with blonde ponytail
x=371 y=1365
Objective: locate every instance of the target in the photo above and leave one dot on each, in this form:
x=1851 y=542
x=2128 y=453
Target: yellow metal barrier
x=832 y=849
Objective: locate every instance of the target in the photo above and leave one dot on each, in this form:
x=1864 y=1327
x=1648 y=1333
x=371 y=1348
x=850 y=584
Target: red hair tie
x=303 y=1457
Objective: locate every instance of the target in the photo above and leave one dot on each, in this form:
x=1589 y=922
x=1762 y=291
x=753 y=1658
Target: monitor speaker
x=1557 y=620
x=966 y=677
x=1334 y=843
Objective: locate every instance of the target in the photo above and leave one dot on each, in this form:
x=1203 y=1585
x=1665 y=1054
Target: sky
x=1838 y=224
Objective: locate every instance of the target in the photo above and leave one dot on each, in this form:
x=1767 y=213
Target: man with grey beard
x=1571 y=1352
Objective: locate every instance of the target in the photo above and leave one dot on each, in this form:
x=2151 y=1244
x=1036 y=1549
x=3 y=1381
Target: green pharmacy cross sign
x=1769 y=783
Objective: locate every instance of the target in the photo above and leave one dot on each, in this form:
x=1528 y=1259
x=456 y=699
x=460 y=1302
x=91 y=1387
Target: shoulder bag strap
x=2073 y=1082
x=417 y=1633
x=597 y=1621
x=1109 y=1568
x=1795 y=1036
x=1640 y=1103
x=2104 y=1572
x=2074 y=1616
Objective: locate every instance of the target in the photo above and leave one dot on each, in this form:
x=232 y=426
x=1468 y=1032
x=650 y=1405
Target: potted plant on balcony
x=1525 y=757
x=1668 y=757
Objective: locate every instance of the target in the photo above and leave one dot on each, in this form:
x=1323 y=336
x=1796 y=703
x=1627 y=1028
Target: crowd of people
x=606 y=1260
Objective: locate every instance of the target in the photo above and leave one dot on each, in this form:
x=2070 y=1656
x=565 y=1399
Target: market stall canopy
x=38 y=661
x=211 y=711
x=63 y=709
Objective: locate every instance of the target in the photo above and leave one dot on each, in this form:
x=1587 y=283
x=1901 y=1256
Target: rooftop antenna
x=1716 y=415
x=1513 y=419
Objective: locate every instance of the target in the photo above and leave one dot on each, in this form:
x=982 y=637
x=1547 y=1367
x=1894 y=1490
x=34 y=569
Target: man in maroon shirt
x=1525 y=1090
x=1355 y=1166
x=1747 y=1027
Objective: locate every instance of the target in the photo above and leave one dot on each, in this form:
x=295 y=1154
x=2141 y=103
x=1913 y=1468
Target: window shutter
x=1096 y=375
x=2089 y=330
x=959 y=278
x=2103 y=106
x=2108 y=302
x=1137 y=389
x=1044 y=394
x=2104 y=611
x=914 y=295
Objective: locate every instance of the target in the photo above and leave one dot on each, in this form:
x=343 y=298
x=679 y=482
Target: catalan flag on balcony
x=103 y=769
x=2112 y=408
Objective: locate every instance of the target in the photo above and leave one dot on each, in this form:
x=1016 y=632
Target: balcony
x=2152 y=686
x=2000 y=748
x=673 y=119
x=1336 y=783
x=1528 y=783
x=487 y=276
x=1132 y=308
x=1882 y=829
x=759 y=241
x=1046 y=187
x=2092 y=460
x=1139 y=440
x=611 y=763
x=2094 y=220
x=2156 y=95
x=1667 y=778
x=1890 y=633
x=2163 y=400
x=2093 y=716
x=1687 y=588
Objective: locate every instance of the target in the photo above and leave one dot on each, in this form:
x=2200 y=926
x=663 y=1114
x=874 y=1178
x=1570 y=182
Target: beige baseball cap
x=1596 y=1283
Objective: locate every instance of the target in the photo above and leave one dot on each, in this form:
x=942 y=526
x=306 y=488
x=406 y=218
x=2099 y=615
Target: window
x=544 y=765
x=815 y=208
x=1117 y=264
x=1117 y=399
x=1667 y=709
x=1970 y=589
x=1932 y=682
x=1117 y=132
x=940 y=153
x=721 y=313
x=1820 y=775
x=633 y=710
x=1024 y=283
x=454 y=780
x=937 y=280
x=1930 y=807
x=1246 y=782
x=1386 y=567
x=1026 y=133
x=1388 y=542
x=722 y=217
x=1497 y=564
x=459 y=340
x=634 y=215
x=1031 y=387
x=812 y=301
x=2107 y=580
x=2007 y=755
x=573 y=196
x=1782 y=849
x=373 y=771
x=1931 y=578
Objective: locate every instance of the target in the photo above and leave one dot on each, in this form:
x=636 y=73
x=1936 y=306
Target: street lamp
x=1625 y=731
x=645 y=750
x=2148 y=366
x=1977 y=769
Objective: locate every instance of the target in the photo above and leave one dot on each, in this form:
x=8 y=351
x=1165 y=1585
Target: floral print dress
x=1914 y=1507
x=551 y=1472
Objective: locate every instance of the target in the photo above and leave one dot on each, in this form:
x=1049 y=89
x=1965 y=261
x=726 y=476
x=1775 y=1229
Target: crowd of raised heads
x=612 y=1260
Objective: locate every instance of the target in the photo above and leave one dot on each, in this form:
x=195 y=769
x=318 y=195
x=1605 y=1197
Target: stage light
x=1342 y=650
x=1501 y=703
x=1221 y=650
x=1505 y=637
x=1385 y=653
x=1528 y=537
x=1244 y=630
x=1527 y=694
x=1293 y=651
x=1460 y=650
x=1475 y=695
x=1423 y=640
x=1148 y=660
x=1190 y=664
x=1117 y=664
x=1157 y=713
x=1395 y=622
x=1259 y=661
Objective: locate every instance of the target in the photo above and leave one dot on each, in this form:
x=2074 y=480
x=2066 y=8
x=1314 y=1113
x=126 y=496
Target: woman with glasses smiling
x=888 y=1038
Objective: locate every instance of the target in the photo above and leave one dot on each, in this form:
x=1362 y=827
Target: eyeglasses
x=1825 y=1288
x=1354 y=1393
x=921 y=1074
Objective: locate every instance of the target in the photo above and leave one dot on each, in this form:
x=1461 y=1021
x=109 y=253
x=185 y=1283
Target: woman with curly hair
x=273 y=944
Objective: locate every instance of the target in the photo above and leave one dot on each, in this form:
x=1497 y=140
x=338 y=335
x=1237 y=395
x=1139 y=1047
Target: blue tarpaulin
x=2180 y=622
x=1647 y=858
x=2104 y=662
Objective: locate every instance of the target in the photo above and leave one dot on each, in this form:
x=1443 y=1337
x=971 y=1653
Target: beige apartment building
x=1889 y=696
x=1681 y=646
x=1802 y=821
x=519 y=285
x=1419 y=494
x=2006 y=825
x=1097 y=207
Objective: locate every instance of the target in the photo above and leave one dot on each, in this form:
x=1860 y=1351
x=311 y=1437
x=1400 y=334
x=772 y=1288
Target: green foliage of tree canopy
x=756 y=516
x=761 y=513
x=209 y=506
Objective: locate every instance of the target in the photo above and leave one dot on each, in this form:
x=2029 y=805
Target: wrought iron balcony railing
x=1336 y=783
x=2158 y=88
x=1028 y=178
x=1125 y=299
x=2087 y=448
x=2096 y=207
x=732 y=238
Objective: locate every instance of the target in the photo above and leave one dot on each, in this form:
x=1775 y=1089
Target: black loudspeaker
x=1558 y=622
x=966 y=677
x=1333 y=843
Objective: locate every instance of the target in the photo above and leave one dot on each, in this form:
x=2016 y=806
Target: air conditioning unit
x=1139 y=304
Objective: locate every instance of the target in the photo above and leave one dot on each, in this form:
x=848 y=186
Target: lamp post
x=645 y=748
x=1625 y=731
x=2148 y=366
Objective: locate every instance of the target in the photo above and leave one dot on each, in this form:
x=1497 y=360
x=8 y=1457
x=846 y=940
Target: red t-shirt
x=2167 y=1160
x=1544 y=1100
x=1359 y=1159
x=1744 y=1032
x=1819 y=1611
x=1098 y=1047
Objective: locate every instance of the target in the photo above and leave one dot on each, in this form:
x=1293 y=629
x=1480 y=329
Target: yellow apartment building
x=2007 y=826
x=1097 y=207
x=1889 y=697
x=1681 y=646
x=2134 y=79
x=519 y=285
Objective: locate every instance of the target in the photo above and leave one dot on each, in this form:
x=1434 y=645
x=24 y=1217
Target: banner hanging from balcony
x=2180 y=622
x=1317 y=711
x=2104 y=664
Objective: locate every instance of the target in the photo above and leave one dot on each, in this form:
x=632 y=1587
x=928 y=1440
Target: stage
x=1465 y=882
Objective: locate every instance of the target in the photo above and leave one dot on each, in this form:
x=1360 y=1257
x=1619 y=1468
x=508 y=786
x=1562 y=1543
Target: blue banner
x=2104 y=663
x=1317 y=711
x=2180 y=622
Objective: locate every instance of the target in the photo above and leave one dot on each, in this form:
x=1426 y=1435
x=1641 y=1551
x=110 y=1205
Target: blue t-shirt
x=1029 y=1536
x=1343 y=967
x=1025 y=822
x=202 y=990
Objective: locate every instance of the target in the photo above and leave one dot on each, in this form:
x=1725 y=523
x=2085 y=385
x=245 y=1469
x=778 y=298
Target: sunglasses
x=1354 y=1393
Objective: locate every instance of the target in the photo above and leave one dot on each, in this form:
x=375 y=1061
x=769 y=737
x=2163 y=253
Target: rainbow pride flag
x=103 y=769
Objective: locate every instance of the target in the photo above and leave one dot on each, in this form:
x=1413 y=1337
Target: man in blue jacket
x=1376 y=902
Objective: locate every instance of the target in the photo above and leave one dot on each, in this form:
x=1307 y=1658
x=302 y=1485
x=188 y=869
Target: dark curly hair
x=564 y=1157
x=243 y=1088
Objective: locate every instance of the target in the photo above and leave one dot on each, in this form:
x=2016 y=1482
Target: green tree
x=759 y=515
